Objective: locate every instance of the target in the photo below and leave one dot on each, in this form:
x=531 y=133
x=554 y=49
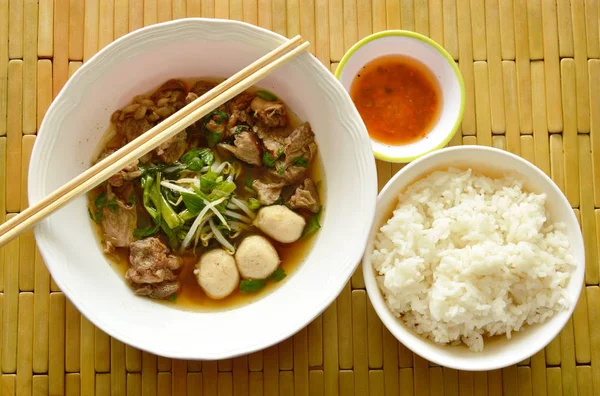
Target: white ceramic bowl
x=500 y=352
x=137 y=63
x=434 y=57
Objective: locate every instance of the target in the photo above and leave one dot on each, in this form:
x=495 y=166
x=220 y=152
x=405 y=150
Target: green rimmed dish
x=437 y=60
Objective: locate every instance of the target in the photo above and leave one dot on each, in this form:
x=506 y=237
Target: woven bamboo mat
x=532 y=76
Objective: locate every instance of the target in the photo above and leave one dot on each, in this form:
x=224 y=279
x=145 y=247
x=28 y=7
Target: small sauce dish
x=408 y=91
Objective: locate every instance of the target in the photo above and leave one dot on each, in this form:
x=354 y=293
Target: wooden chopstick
x=103 y=170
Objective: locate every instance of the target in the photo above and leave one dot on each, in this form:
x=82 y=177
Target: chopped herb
x=253 y=204
x=312 y=225
x=266 y=95
x=280 y=152
x=173 y=297
x=213 y=138
x=197 y=158
x=132 y=198
x=240 y=128
x=278 y=275
x=144 y=232
x=279 y=201
x=249 y=181
x=280 y=168
x=301 y=161
x=99 y=203
x=194 y=203
x=252 y=285
x=112 y=205
x=250 y=190
x=268 y=160
x=91 y=214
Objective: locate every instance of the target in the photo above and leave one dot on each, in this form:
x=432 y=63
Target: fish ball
x=217 y=274
x=256 y=257
x=280 y=223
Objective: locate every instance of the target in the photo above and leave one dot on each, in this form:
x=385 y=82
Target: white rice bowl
x=465 y=256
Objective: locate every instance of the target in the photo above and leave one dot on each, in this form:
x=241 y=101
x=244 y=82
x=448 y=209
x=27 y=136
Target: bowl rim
x=391 y=322
x=105 y=325
x=417 y=36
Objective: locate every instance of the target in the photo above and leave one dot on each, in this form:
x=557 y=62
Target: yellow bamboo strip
x=580 y=55
x=192 y=365
x=465 y=51
x=524 y=378
x=122 y=18
x=286 y=354
x=375 y=337
x=478 y=8
x=450 y=22
x=136 y=14
x=149 y=373
x=321 y=19
x=3 y=66
x=580 y=322
x=151 y=15
x=469 y=140
x=44 y=88
x=499 y=142
x=523 y=68
x=286 y=383
x=465 y=383
x=10 y=305
x=26 y=147
x=358 y=282
x=15 y=29
x=384 y=173
x=591 y=25
x=163 y=387
x=194 y=384
x=534 y=20
x=436 y=21
x=76 y=29
x=584 y=380
x=102 y=351
x=90 y=34
x=405 y=356
x=256 y=383
x=495 y=382
x=346 y=379
x=336 y=29
x=344 y=318
x=293 y=17
x=102 y=385
x=330 y=349
x=315 y=385
x=301 y=378
x=359 y=334
x=422 y=17
x=593 y=297
x=565 y=28
x=392 y=15
x=164 y=364
x=594 y=74
x=134 y=384
x=315 y=342
x=586 y=208
x=494 y=57
x=30 y=66
x=133 y=359
x=2 y=207
x=209 y=371
x=568 y=368
x=45 y=43
x=8 y=386
x=456 y=139
x=240 y=375
x=351 y=34
x=407 y=14
x=450 y=381
x=279 y=16
x=40 y=385
x=265 y=14
x=421 y=372
x=222 y=365
x=554 y=381
x=88 y=377
x=551 y=64
x=72 y=384
x=482 y=99
x=406 y=381
x=376 y=386
x=73 y=332
x=118 y=379
x=179 y=377
x=538 y=373
x=480 y=383
x=507 y=28
x=540 y=129
x=14 y=134
x=165 y=12
x=208 y=8
x=571 y=151
x=509 y=380
x=436 y=378
x=222 y=9
x=56 y=342
x=255 y=361
x=271 y=369
x=250 y=11
x=41 y=315
x=60 y=62
x=556 y=160
x=194 y=9
x=25 y=344
x=106 y=23
x=390 y=363
x=511 y=105
x=179 y=9
x=379 y=19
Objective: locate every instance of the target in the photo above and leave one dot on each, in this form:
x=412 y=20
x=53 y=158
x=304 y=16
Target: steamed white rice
x=466 y=256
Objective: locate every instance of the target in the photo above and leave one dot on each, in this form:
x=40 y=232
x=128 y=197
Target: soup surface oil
x=398 y=98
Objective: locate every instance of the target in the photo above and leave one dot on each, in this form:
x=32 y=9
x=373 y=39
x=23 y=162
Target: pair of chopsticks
x=151 y=139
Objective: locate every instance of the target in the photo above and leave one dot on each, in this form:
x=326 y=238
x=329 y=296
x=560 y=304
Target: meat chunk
x=274 y=139
x=246 y=147
x=305 y=197
x=151 y=262
x=132 y=128
x=118 y=222
x=241 y=102
x=171 y=92
x=269 y=113
x=130 y=172
x=290 y=175
x=300 y=144
x=267 y=192
x=159 y=290
x=202 y=87
x=172 y=149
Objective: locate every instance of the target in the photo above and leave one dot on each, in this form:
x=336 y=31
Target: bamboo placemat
x=532 y=76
